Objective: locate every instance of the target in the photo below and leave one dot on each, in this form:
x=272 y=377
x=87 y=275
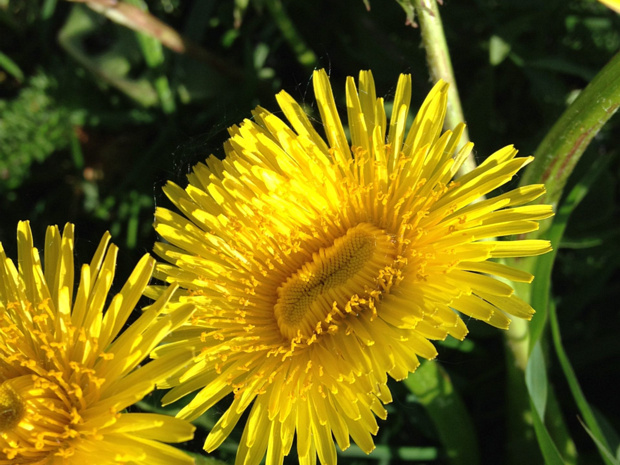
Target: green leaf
x=385 y=453
x=584 y=407
x=48 y=8
x=540 y=300
x=609 y=432
x=200 y=459
x=541 y=287
x=536 y=379
x=559 y=152
x=556 y=425
x=33 y=125
x=603 y=449
x=537 y=385
x=555 y=160
x=409 y=9
x=434 y=390
x=549 y=450
x=11 y=67
x=153 y=52
x=498 y=50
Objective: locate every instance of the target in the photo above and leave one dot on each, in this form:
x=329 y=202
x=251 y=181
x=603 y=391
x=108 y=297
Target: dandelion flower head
x=319 y=266
x=613 y=4
x=67 y=371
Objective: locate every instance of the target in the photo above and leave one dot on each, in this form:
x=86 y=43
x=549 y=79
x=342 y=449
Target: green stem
x=564 y=144
x=434 y=390
x=555 y=160
x=440 y=66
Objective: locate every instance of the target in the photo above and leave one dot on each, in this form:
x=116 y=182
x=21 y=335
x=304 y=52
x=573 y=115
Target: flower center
x=335 y=282
x=11 y=408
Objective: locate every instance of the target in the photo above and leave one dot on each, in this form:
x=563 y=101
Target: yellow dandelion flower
x=318 y=267
x=612 y=4
x=67 y=371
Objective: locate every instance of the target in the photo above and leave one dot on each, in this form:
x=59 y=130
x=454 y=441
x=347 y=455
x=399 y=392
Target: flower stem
x=555 y=159
x=564 y=144
x=440 y=65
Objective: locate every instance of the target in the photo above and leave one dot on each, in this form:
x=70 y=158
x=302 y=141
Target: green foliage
x=95 y=117
x=433 y=388
x=32 y=127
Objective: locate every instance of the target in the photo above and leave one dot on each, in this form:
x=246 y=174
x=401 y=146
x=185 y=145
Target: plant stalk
x=440 y=66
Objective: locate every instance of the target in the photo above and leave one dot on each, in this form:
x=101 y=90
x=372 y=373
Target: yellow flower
x=66 y=369
x=318 y=267
x=613 y=4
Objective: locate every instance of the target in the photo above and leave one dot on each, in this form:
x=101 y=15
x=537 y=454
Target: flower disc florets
x=318 y=267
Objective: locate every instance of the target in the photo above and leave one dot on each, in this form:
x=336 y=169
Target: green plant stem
x=521 y=445
x=440 y=66
x=555 y=160
x=564 y=144
x=434 y=390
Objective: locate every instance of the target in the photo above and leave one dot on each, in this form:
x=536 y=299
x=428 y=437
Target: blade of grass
x=11 y=67
x=547 y=446
x=536 y=379
x=153 y=53
x=555 y=160
x=541 y=290
x=48 y=8
x=76 y=152
x=556 y=425
x=594 y=429
x=601 y=447
x=433 y=388
x=613 y=438
x=538 y=389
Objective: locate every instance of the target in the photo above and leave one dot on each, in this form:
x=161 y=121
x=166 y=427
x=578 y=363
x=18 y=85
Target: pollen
x=11 y=408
